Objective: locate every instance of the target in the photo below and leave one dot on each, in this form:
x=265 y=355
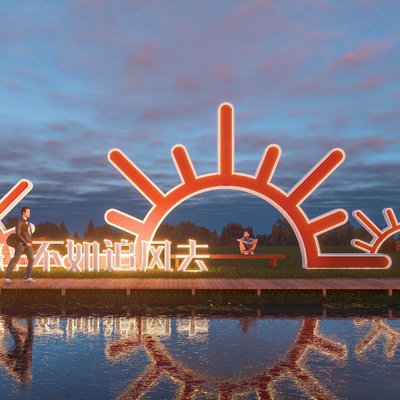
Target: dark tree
x=107 y=232
x=340 y=236
x=233 y=231
x=48 y=230
x=11 y=222
x=282 y=234
x=263 y=240
x=76 y=238
x=89 y=234
x=63 y=231
x=167 y=232
x=362 y=234
x=184 y=231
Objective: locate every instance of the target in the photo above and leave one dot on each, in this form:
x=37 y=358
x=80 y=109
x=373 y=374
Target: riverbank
x=288 y=268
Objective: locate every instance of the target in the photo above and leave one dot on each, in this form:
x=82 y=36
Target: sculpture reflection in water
x=17 y=358
x=378 y=328
x=301 y=359
x=290 y=366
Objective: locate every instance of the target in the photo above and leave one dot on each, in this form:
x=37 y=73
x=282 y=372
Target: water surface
x=199 y=356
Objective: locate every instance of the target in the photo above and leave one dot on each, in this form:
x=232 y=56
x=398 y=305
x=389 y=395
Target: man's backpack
x=12 y=240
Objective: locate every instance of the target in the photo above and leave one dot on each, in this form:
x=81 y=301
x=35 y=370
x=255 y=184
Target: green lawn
x=221 y=300
x=235 y=269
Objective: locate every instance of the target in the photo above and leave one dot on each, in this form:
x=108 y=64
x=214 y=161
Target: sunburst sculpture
x=379 y=235
x=259 y=184
x=7 y=203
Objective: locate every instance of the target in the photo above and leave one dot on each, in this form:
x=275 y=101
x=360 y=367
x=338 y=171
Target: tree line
x=281 y=234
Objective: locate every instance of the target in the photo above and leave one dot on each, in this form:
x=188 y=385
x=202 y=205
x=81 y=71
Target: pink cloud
x=67 y=99
x=33 y=75
x=188 y=83
x=224 y=72
x=93 y=134
x=57 y=126
x=144 y=56
x=370 y=82
x=155 y=113
x=303 y=111
x=55 y=148
x=359 y=146
x=158 y=142
x=12 y=84
x=341 y=121
x=99 y=160
x=386 y=116
x=362 y=55
x=281 y=65
x=253 y=13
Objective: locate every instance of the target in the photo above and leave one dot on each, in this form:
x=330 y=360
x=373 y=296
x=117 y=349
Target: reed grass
x=111 y=299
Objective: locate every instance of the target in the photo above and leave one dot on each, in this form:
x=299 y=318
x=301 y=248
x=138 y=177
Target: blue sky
x=79 y=78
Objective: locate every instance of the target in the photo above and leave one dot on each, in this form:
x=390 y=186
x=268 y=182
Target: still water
x=47 y=356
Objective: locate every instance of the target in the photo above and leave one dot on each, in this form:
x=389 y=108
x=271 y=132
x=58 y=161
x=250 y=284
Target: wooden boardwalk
x=198 y=284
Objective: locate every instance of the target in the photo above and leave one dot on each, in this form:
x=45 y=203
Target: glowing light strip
x=14 y=196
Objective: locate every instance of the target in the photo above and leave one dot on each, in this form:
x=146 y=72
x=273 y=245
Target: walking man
x=247 y=244
x=24 y=235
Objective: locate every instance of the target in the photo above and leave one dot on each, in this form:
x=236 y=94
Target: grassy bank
x=233 y=269
x=143 y=300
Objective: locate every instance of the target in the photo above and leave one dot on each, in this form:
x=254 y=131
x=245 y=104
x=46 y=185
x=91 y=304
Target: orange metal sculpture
x=259 y=184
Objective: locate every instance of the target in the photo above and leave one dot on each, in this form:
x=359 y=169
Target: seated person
x=246 y=244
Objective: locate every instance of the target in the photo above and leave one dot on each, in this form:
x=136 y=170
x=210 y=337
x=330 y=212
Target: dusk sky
x=78 y=78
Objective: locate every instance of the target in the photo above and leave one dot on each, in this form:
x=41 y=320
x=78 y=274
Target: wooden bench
x=272 y=258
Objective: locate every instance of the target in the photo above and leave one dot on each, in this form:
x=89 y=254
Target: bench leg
x=63 y=291
x=272 y=262
x=193 y=292
x=258 y=292
x=323 y=292
x=390 y=292
x=128 y=292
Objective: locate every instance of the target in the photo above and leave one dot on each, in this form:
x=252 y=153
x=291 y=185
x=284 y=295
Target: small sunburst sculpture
x=259 y=184
x=9 y=201
x=378 y=235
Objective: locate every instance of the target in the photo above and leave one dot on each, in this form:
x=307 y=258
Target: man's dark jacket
x=23 y=231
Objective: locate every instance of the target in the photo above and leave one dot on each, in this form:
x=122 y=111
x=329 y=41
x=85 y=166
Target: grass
x=214 y=299
x=290 y=267
x=233 y=269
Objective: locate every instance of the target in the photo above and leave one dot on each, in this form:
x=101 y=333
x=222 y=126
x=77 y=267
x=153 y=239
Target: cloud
x=370 y=82
x=89 y=161
x=386 y=116
x=57 y=126
x=12 y=84
x=362 y=55
x=156 y=113
x=82 y=77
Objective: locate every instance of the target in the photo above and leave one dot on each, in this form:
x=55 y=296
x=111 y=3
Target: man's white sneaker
x=29 y=280
x=7 y=280
x=246 y=253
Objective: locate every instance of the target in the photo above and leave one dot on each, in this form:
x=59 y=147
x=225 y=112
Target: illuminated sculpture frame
x=259 y=184
x=9 y=201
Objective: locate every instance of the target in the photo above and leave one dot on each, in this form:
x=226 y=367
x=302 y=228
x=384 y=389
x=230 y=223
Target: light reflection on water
x=93 y=357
